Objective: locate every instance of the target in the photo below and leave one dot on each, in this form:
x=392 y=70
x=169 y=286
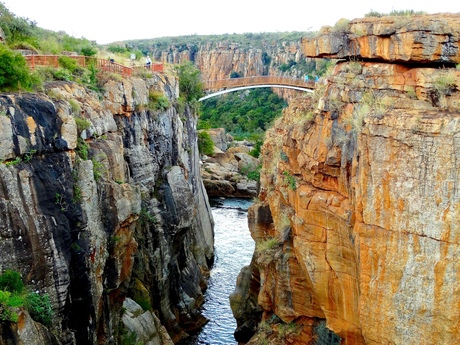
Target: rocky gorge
x=356 y=224
x=357 y=227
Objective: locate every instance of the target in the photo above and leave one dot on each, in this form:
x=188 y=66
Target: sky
x=110 y=21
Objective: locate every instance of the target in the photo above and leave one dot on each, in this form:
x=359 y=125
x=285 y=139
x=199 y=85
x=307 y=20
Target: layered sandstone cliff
x=357 y=229
x=218 y=60
x=102 y=207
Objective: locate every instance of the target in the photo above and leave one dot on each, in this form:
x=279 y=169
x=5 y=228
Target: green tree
x=205 y=143
x=14 y=72
x=190 y=84
x=17 y=29
x=242 y=112
x=39 y=308
x=13 y=296
x=11 y=281
x=89 y=51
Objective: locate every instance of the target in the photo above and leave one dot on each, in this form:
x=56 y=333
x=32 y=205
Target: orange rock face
x=363 y=186
x=433 y=38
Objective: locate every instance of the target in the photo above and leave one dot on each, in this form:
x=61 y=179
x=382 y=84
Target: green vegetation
x=14 y=72
x=82 y=124
x=23 y=33
x=39 y=308
x=341 y=25
x=267 y=245
x=291 y=181
x=13 y=296
x=312 y=67
x=75 y=106
x=190 y=84
x=191 y=42
x=8 y=303
x=99 y=169
x=205 y=143
x=242 y=113
x=146 y=218
x=68 y=63
x=287 y=66
x=15 y=161
x=82 y=149
x=371 y=104
x=29 y=155
x=445 y=83
x=11 y=281
x=259 y=140
x=61 y=202
x=158 y=101
x=400 y=13
x=251 y=172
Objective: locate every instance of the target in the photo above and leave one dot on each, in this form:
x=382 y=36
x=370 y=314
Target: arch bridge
x=236 y=84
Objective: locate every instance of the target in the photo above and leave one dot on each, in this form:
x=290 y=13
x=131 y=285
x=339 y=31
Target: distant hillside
x=246 y=40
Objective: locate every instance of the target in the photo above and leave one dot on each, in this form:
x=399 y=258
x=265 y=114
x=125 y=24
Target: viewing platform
x=104 y=64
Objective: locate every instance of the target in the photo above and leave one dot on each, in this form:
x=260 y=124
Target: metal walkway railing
x=105 y=64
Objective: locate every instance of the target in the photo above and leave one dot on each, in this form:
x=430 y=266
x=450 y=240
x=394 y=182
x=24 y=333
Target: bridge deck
x=259 y=80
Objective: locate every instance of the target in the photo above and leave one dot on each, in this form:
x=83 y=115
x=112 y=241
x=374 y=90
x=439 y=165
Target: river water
x=234 y=247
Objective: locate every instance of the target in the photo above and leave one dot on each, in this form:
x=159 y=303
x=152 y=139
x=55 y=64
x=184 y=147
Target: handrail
x=105 y=64
x=257 y=80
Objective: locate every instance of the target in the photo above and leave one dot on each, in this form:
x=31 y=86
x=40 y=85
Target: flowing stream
x=233 y=250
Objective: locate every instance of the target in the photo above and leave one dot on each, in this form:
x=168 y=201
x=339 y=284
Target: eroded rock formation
x=357 y=228
x=218 y=60
x=231 y=174
x=101 y=199
x=408 y=39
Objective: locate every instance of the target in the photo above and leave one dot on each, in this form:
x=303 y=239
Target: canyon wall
x=103 y=209
x=218 y=60
x=357 y=228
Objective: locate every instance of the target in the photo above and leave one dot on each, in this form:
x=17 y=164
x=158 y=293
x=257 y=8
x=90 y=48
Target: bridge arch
x=236 y=84
x=252 y=87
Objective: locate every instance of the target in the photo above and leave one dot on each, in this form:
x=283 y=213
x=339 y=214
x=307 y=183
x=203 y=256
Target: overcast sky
x=109 y=21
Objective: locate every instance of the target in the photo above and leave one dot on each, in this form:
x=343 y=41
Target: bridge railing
x=259 y=80
x=104 y=64
x=154 y=67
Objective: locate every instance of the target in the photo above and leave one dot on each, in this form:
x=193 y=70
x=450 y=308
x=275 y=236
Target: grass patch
x=400 y=13
x=99 y=169
x=82 y=149
x=82 y=124
x=146 y=218
x=15 y=161
x=205 y=143
x=267 y=245
x=13 y=296
x=341 y=25
x=444 y=84
x=290 y=180
x=158 y=101
x=251 y=172
x=75 y=107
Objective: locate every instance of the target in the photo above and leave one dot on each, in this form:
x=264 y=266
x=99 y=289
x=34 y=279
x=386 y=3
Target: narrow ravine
x=233 y=249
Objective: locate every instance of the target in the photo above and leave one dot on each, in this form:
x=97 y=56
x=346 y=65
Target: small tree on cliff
x=190 y=85
x=14 y=73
